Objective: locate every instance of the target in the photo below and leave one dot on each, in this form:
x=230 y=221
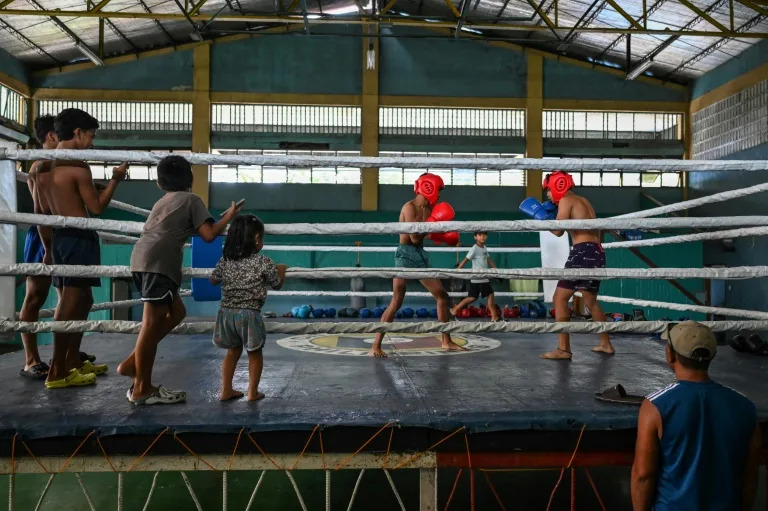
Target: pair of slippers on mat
x=618 y=395
x=40 y=371
x=753 y=345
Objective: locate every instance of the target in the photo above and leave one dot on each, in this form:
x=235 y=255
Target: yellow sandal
x=75 y=379
x=90 y=368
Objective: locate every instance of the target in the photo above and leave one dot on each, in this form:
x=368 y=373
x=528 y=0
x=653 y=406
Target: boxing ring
x=433 y=429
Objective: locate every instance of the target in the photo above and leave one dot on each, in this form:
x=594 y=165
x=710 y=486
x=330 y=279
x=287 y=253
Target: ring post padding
x=206 y=255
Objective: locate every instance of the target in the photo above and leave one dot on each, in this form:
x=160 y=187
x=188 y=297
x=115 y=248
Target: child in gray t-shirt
x=156 y=267
x=478 y=288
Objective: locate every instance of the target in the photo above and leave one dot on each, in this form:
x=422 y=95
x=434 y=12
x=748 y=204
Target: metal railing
x=13 y=106
x=129 y=115
x=612 y=125
x=463 y=122
x=299 y=119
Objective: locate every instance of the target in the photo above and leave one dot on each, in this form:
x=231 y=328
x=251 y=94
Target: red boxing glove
x=449 y=238
x=442 y=212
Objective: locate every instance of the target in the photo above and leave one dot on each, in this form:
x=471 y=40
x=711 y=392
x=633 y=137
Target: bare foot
x=608 y=350
x=226 y=395
x=377 y=353
x=557 y=354
x=123 y=371
x=494 y=320
x=452 y=346
x=256 y=396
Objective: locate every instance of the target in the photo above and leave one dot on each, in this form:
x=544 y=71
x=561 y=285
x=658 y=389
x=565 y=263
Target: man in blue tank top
x=698 y=441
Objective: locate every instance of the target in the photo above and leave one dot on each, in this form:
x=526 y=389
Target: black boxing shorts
x=584 y=255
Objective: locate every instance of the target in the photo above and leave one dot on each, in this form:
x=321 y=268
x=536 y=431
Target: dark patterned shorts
x=584 y=255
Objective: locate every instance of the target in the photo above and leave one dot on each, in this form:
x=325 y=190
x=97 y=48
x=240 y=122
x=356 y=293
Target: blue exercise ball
x=304 y=311
x=433 y=313
x=399 y=314
x=407 y=312
x=318 y=313
x=422 y=313
x=295 y=312
x=352 y=312
x=330 y=312
x=365 y=313
x=378 y=312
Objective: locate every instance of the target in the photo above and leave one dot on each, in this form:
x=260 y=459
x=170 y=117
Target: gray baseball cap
x=689 y=336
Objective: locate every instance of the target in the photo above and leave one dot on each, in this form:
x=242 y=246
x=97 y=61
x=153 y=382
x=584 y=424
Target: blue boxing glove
x=537 y=210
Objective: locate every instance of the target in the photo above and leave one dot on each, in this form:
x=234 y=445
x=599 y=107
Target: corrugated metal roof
x=683 y=58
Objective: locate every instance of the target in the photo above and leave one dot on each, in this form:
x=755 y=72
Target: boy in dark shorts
x=478 y=288
x=410 y=254
x=586 y=252
x=66 y=188
x=36 y=250
x=156 y=264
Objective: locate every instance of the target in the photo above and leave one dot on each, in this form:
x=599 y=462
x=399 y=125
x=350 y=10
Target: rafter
x=159 y=25
x=754 y=7
x=709 y=50
x=704 y=15
x=544 y=17
x=27 y=41
x=100 y=5
x=655 y=7
x=196 y=8
x=624 y=13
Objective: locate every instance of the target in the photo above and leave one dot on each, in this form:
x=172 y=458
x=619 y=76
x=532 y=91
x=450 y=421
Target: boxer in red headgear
x=586 y=252
x=410 y=254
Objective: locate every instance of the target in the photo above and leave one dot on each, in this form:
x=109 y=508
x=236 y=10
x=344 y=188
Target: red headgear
x=429 y=185
x=558 y=182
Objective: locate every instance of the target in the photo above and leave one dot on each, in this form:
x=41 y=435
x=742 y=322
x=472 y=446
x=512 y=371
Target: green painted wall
x=448 y=67
x=288 y=63
x=11 y=66
x=751 y=58
x=168 y=72
x=569 y=81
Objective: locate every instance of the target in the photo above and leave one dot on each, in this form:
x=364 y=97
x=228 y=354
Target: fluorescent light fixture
x=472 y=30
x=89 y=53
x=638 y=69
x=313 y=16
x=347 y=9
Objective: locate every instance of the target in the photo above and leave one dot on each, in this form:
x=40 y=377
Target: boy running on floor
x=156 y=266
x=478 y=288
x=244 y=275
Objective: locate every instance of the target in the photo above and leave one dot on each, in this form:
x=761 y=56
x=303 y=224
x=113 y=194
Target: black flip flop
x=85 y=356
x=617 y=394
x=36 y=372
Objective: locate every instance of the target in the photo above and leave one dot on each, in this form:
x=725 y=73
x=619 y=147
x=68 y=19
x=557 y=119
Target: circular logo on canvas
x=407 y=345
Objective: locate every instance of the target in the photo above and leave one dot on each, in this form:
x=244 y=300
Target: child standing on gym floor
x=244 y=275
x=478 y=288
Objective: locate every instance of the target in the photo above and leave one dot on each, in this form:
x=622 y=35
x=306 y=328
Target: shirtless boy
x=66 y=188
x=410 y=254
x=586 y=252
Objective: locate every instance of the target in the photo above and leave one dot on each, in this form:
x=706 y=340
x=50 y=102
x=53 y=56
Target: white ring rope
x=322 y=327
x=390 y=249
x=684 y=238
x=734 y=273
x=124 y=206
x=693 y=203
x=11 y=217
x=430 y=162
x=684 y=307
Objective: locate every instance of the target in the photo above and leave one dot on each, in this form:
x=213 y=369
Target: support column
x=534 y=139
x=370 y=122
x=428 y=489
x=688 y=141
x=201 y=117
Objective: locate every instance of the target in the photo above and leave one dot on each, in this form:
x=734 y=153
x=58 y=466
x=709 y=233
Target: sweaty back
x=57 y=187
x=706 y=431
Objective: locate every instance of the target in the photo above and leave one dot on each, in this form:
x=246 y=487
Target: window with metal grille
x=281 y=174
x=13 y=106
x=136 y=171
x=734 y=124
x=464 y=122
x=612 y=125
x=456 y=176
x=315 y=119
x=617 y=178
x=129 y=115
